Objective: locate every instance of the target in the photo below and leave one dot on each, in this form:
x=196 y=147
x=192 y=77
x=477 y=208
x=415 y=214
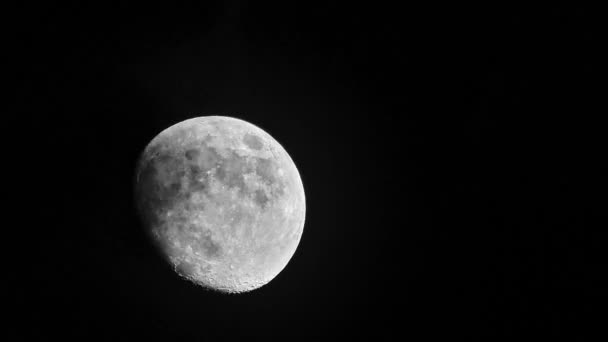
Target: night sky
x=452 y=158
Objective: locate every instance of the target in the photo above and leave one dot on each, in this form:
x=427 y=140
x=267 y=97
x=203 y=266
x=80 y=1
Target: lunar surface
x=222 y=200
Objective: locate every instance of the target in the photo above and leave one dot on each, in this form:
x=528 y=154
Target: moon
x=223 y=202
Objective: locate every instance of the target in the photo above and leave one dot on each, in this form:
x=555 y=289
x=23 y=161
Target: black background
x=453 y=161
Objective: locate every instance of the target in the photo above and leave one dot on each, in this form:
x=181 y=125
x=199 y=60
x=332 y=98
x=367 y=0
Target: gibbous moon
x=222 y=200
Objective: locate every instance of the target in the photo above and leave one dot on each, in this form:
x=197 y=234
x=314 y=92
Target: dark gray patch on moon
x=260 y=198
x=208 y=157
x=192 y=154
x=231 y=171
x=266 y=169
x=253 y=142
x=185 y=268
x=197 y=178
x=207 y=246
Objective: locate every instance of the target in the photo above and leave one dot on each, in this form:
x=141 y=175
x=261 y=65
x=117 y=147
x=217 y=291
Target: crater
x=261 y=199
x=206 y=246
x=153 y=150
x=169 y=170
x=232 y=170
x=253 y=141
x=207 y=157
x=185 y=268
x=204 y=156
x=266 y=170
x=192 y=154
x=171 y=191
x=197 y=179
